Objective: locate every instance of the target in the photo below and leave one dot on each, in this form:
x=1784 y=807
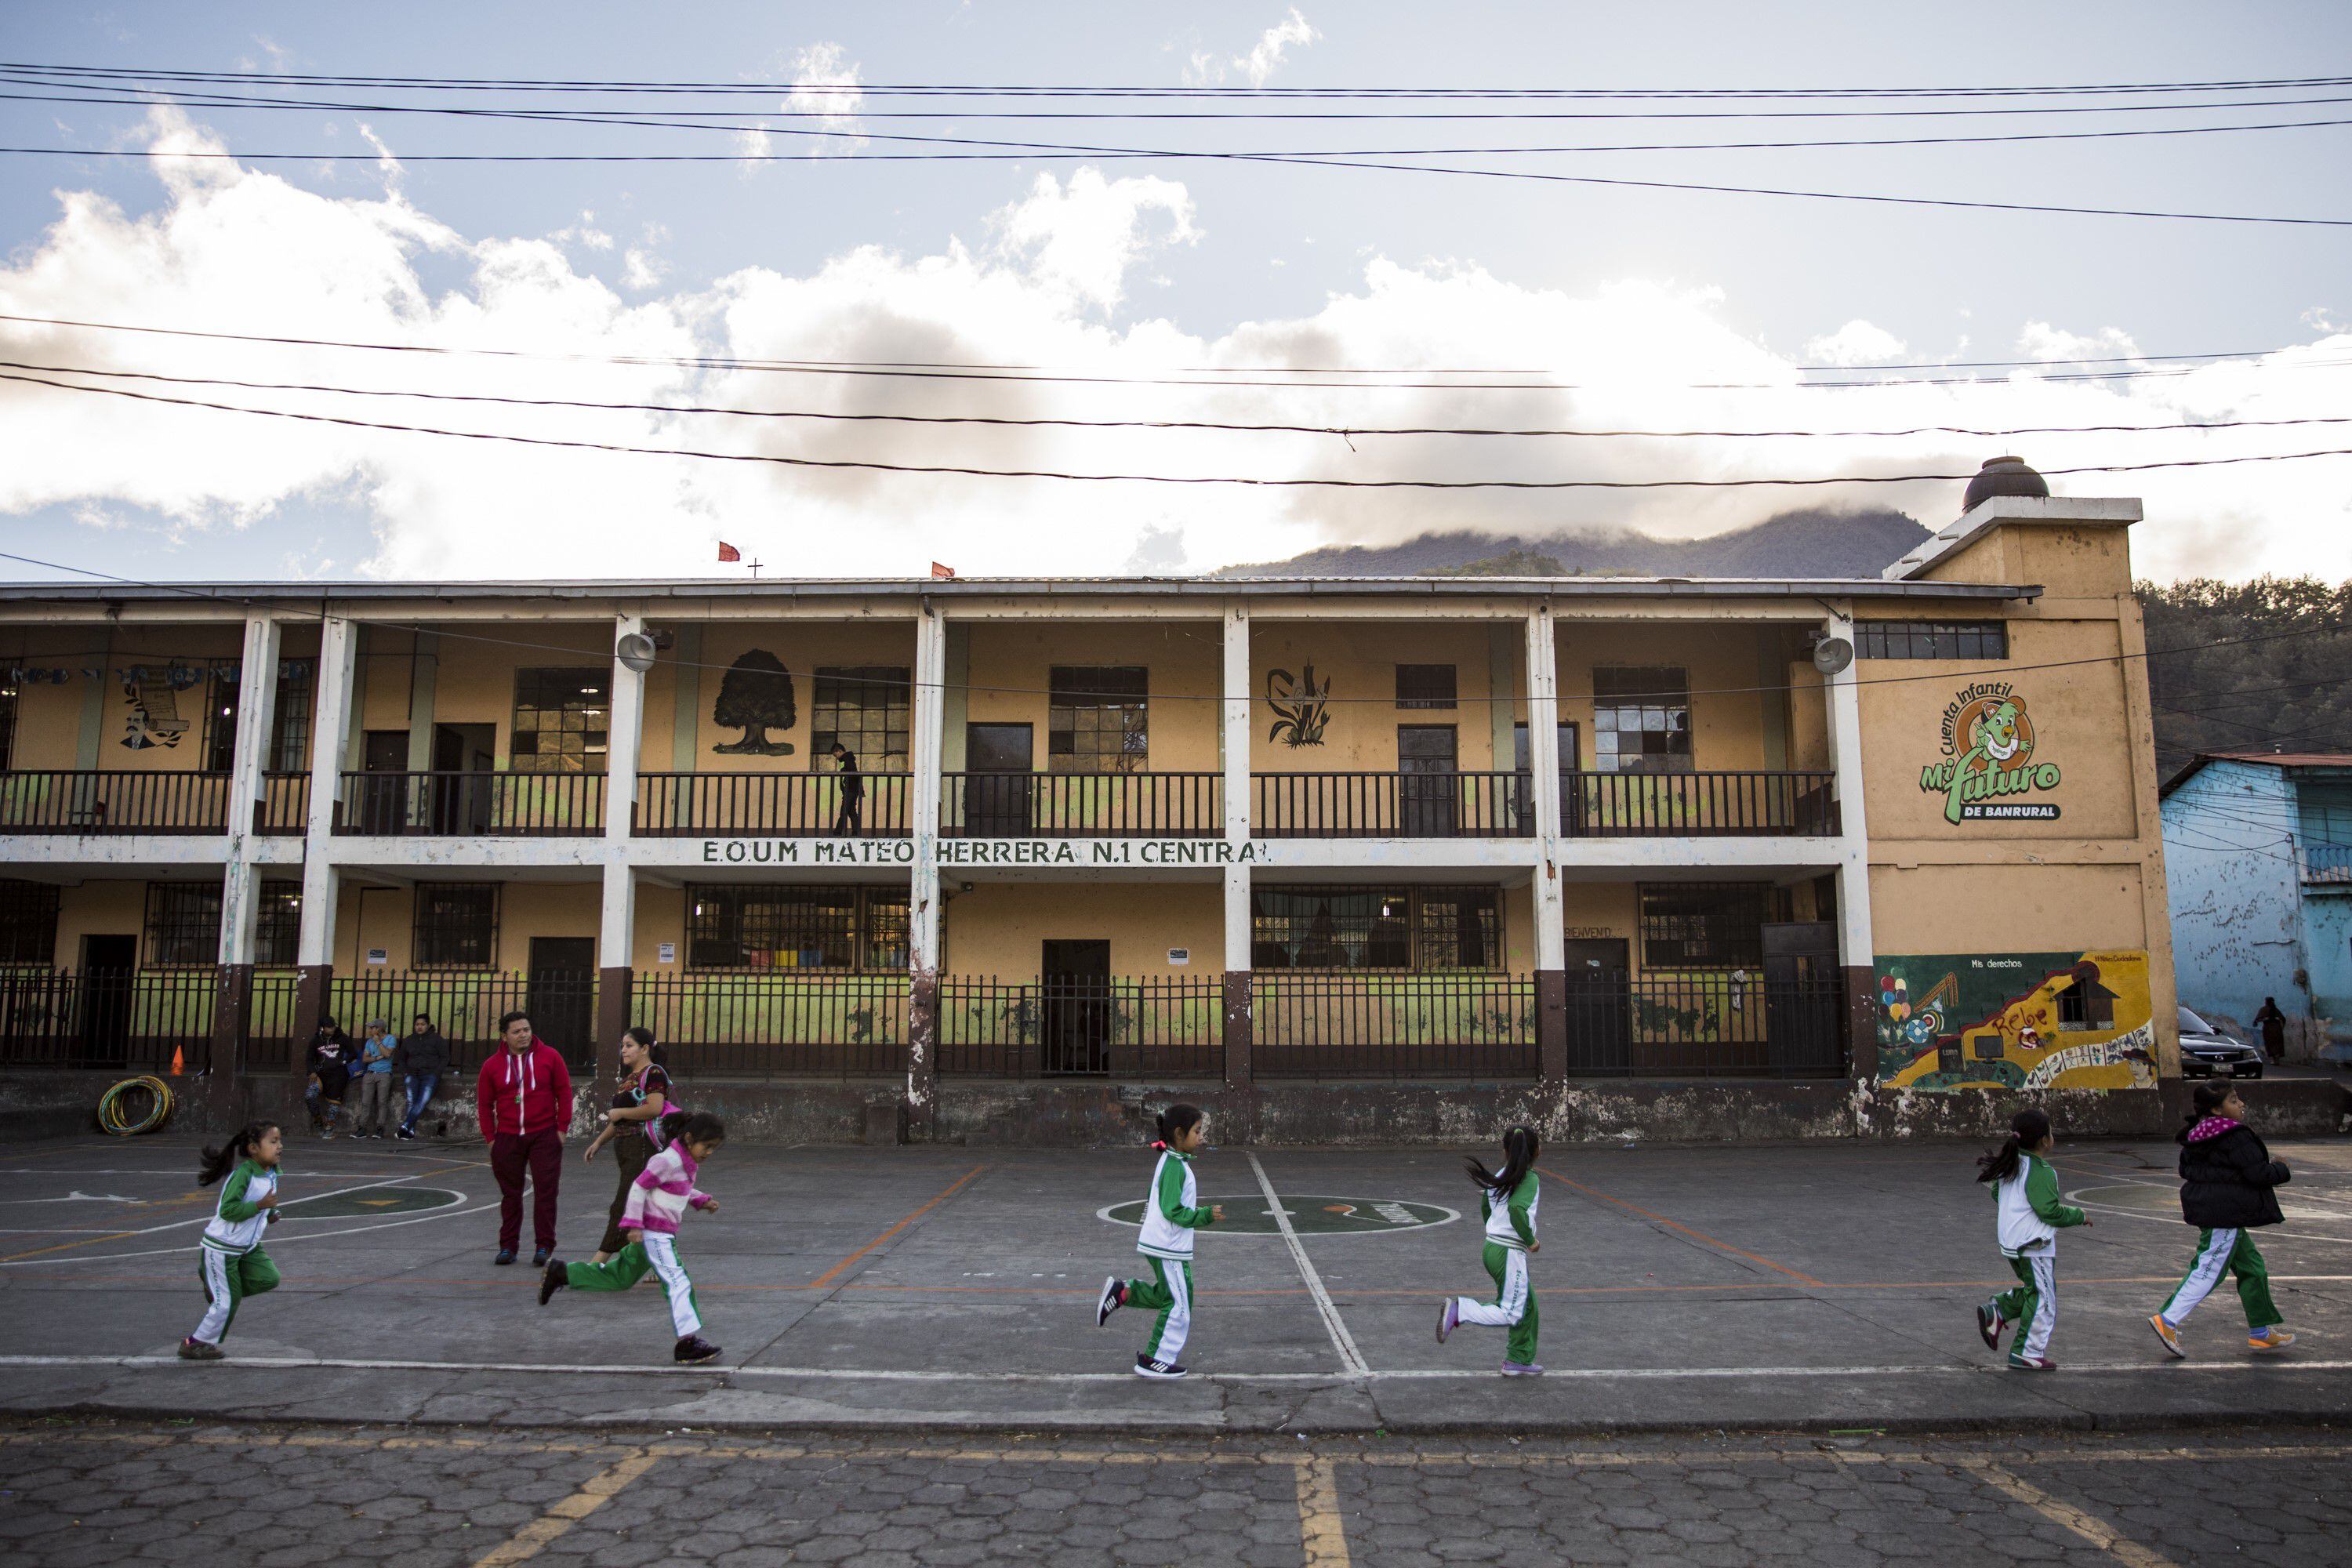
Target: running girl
x=2229 y=1185
x=662 y=1194
x=230 y=1259
x=1171 y=1213
x=2028 y=1218
x=1506 y=1200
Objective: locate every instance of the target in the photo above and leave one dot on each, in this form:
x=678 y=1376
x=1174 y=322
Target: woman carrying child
x=633 y=1126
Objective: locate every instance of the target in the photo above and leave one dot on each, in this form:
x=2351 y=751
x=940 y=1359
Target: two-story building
x=1340 y=858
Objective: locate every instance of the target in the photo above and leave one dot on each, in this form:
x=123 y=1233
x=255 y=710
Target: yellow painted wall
x=999 y=928
x=1011 y=665
x=99 y=909
x=1358 y=660
x=49 y=716
x=802 y=646
x=2006 y=908
x=1729 y=715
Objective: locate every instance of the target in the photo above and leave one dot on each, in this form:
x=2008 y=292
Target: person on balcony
x=850 y=821
x=423 y=1058
x=523 y=1098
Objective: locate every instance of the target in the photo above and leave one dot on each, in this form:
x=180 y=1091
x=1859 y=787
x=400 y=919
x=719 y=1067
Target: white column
x=338 y=660
x=624 y=738
x=923 y=809
x=1857 y=949
x=1543 y=765
x=1234 y=743
x=257 y=712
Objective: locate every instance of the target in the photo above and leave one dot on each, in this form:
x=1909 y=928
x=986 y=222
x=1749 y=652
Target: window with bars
x=1931 y=639
x=730 y=927
x=1705 y=925
x=278 y=925
x=29 y=923
x=866 y=708
x=1425 y=686
x=183 y=923
x=1442 y=928
x=457 y=925
x=563 y=718
x=1641 y=721
x=1098 y=719
x=289 y=719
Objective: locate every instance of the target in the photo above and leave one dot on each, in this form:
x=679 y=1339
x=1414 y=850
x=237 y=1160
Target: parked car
x=2207 y=1052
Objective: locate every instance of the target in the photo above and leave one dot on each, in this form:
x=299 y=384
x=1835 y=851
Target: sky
x=1143 y=291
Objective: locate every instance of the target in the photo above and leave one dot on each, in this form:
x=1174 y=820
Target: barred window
x=278 y=925
x=1097 y=719
x=29 y=923
x=183 y=923
x=1705 y=925
x=732 y=927
x=457 y=925
x=563 y=718
x=1375 y=927
x=1641 y=721
x=1425 y=686
x=1931 y=639
x=866 y=708
x=290 y=718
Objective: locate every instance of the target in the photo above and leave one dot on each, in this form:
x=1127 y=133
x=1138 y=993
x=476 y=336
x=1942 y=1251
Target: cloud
x=824 y=84
x=1042 y=280
x=1205 y=67
x=1856 y=343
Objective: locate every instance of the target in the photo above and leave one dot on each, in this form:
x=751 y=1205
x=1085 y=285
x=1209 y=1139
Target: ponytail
x=2027 y=1129
x=218 y=1163
x=2206 y=1099
x=1174 y=1119
x=1520 y=1147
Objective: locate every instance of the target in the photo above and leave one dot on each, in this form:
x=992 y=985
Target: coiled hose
x=134 y=1106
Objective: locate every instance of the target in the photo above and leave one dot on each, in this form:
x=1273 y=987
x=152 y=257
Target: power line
x=1294 y=482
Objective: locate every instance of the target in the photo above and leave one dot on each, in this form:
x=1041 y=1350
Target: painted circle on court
x=368 y=1205
x=1309 y=1215
x=2164 y=1202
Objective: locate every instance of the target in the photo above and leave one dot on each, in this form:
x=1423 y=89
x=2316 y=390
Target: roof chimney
x=2004 y=476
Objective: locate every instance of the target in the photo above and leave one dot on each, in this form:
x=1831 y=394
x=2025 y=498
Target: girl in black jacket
x=2228 y=1186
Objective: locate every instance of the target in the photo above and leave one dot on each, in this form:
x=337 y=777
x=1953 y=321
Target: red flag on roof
x=728 y=552
x=939 y=571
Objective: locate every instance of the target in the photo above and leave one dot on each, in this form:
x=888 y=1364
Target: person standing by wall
x=523 y=1098
x=379 y=1102
x=329 y=1059
x=850 y=821
x=423 y=1058
x=2272 y=1024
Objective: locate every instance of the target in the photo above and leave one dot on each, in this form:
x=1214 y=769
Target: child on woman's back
x=2030 y=1217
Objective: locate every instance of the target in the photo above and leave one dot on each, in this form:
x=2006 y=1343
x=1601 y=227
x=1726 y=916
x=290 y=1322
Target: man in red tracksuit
x=524 y=1100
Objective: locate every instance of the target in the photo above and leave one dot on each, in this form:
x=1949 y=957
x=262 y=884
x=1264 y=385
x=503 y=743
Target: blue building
x=2258 y=860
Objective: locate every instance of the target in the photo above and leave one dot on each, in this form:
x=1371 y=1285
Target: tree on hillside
x=2259 y=666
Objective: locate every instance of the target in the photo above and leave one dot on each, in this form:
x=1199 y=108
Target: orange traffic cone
x=179 y=1062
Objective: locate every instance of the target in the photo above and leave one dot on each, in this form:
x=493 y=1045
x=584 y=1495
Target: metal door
x=109 y=969
x=1524 y=786
x=382 y=803
x=997 y=779
x=1428 y=781
x=1075 y=1020
x=1599 y=1006
x=461 y=782
x=1803 y=999
x=562 y=1004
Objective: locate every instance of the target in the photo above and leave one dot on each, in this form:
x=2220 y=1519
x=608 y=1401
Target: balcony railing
x=1697 y=806
x=1712 y=1024
x=1468 y=1026
x=127 y=800
x=1390 y=805
x=285 y=804
x=1072 y=1026
x=1081 y=805
x=2327 y=862
x=457 y=804
x=793 y=804
x=130 y=1019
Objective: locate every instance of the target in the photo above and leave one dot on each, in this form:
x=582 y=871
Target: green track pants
x=1514 y=1306
x=1169 y=1293
x=2220 y=1252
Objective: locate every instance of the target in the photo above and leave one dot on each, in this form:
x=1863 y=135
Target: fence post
x=232 y=1014
x=311 y=981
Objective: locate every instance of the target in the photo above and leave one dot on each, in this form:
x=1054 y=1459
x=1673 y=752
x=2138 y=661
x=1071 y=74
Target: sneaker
x=538 y=1259
x=1114 y=1297
x=194 y=1348
x=693 y=1350
x=1989 y=1323
x=2170 y=1334
x=2271 y=1339
x=1146 y=1367
x=1523 y=1369
x=406 y=1134
x=506 y=1255
x=1449 y=1318
x=2031 y=1362
x=557 y=1275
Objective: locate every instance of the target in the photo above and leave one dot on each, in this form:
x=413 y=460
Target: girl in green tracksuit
x=230 y=1257
x=1171 y=1213
x=1507 y=1199
x=2028 y=1217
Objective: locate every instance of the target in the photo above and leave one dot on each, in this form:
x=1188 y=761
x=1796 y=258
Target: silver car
x=2207 y=1052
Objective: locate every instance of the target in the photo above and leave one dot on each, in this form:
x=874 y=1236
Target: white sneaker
x=1114 y=1297
x=1146 y=1367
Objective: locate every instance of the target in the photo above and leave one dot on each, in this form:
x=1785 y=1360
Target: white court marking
x=1104 y=1214
x=207 y=1219
x=1341 y=1340
x=846 y=1374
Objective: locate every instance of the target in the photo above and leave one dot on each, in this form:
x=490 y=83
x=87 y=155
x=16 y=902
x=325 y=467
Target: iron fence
x=143 y=1020
x=1704 y=1025
x=1082 y=806
x=1390 y=805
x=122 y=800
x=1698 y=804
x=1463 y=1025
x=285 y=804
x=466 y=1004
x=764 y=1024
x=1082 y=1026
x=688 y=806
x=453 y=805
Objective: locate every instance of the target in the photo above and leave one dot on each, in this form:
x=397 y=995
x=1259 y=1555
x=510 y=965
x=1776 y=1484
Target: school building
x=1337 y=858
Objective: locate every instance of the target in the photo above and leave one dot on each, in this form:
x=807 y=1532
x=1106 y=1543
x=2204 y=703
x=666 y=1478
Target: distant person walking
x=2229 y=1185
x=523 y=1098
x=378 y=1088
x=850 y=821
x=423 y=1058
x=2272 y=1024
x=634 y=1127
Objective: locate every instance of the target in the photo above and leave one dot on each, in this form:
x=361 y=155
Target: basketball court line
x=829 y=1275
x=18 y=1259
x=1342 y=1340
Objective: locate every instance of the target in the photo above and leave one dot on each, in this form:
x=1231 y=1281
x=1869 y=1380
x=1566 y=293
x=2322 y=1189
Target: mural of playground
x=2016 y=1020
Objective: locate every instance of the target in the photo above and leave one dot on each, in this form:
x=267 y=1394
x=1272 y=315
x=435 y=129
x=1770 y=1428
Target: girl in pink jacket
x=662 y=1194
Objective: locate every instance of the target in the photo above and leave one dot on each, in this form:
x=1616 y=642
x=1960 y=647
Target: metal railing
x=456 y=805
x=690 y=806
x=767 y=1025
x=1390 y=805
x=143 y=1020
x=1081 y=805
x=1467 y=1025
x=1074 y=1025
x=1711 y=1025
x=2326 y=862
x=285 y=804
x=120 y=800
x=1697 y=805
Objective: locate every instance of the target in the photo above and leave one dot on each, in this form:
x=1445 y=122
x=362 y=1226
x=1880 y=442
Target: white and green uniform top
x=1512 y=1223
x=2029 y=1215
x=1172 y=1213
x=239 y=1219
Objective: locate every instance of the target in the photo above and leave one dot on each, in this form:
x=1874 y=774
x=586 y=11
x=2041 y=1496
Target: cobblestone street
x=103 y=1491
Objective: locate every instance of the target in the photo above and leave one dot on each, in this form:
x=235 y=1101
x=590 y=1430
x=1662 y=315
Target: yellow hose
x=159 y=1112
